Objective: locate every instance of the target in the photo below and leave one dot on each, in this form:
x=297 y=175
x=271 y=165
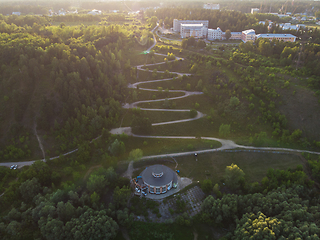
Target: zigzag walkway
x=226 y=145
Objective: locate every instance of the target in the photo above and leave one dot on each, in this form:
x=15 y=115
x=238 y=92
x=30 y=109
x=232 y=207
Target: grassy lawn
x=212 y=165
x=149 y=95
x=254 y=165
x=176 y=84
x=156 y=117
x=205 y=103
x=136 y=58
x=151 y=146
x=146 y=76
x=178 y=66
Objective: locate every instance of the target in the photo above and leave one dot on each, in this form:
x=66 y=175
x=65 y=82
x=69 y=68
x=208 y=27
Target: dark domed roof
x=158 y=175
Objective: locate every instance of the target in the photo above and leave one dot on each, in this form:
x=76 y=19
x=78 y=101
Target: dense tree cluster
x=73 y=212
x=71 y=78
x=281 y=213
x=272 y=53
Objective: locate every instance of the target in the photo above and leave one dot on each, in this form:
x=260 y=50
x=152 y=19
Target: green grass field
x=149 y=95
x=156 y=117
x=151 y=146
x=212 y=165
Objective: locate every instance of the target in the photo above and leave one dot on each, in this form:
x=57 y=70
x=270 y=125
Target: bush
x=193 y=113
x=206 y=186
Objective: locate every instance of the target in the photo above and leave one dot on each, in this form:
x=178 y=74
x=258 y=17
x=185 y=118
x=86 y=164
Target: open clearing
x=212 y=165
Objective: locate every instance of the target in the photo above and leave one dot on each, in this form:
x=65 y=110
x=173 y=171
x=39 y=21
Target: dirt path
x=195 y=235
x=125 y=233
x=90 y=170
x=128 y=173
x=39 y=140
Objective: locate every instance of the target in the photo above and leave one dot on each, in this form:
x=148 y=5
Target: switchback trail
x=225 y=144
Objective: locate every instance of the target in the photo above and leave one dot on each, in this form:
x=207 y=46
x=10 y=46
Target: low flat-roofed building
x=177 y=23
x=248 y=35
x=278 y=36
x=215 y=34
x=193 y=30
x=235 y=35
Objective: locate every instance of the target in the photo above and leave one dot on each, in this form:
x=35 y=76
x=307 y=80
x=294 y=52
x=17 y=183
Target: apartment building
x=215 y=34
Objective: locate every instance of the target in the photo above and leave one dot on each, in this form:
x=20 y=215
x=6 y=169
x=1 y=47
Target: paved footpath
x=225 y=144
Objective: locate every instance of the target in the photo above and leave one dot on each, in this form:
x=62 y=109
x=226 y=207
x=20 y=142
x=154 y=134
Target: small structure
x=211 y=6
x=95 y=12
x=255 y=10
x=156 y=179
x=16 y=13
x=248 y=35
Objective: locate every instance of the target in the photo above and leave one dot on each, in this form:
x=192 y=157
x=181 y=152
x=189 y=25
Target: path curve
x=225 y=144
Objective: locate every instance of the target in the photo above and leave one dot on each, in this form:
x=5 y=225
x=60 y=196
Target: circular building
x=159 y=179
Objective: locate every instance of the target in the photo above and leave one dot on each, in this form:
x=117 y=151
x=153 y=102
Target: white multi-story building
x=177 y=23
x=211 y=6
x=193 y=30
x=278 y=36
x=215 y=34
x=255 y=10
x=248 y=35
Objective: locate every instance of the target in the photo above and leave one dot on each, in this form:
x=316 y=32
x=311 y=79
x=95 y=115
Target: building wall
x=177 y=23
x=235 y=36
x=160 y=189
x=280 y=38
x=215 y=34
x=255 y=10
x=195 y=31
x=248 y=35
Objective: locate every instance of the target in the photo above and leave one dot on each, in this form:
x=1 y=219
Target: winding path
x=225 y=144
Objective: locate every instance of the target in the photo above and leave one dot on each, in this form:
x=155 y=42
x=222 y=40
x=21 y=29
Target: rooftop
x=249 y=31
x=158 y=175
x=192 y=25
x=275 y=35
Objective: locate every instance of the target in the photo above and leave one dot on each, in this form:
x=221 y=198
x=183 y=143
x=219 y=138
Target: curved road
x=225 y=144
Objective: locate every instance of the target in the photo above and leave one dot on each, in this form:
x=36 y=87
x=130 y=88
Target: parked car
x=14 y=167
